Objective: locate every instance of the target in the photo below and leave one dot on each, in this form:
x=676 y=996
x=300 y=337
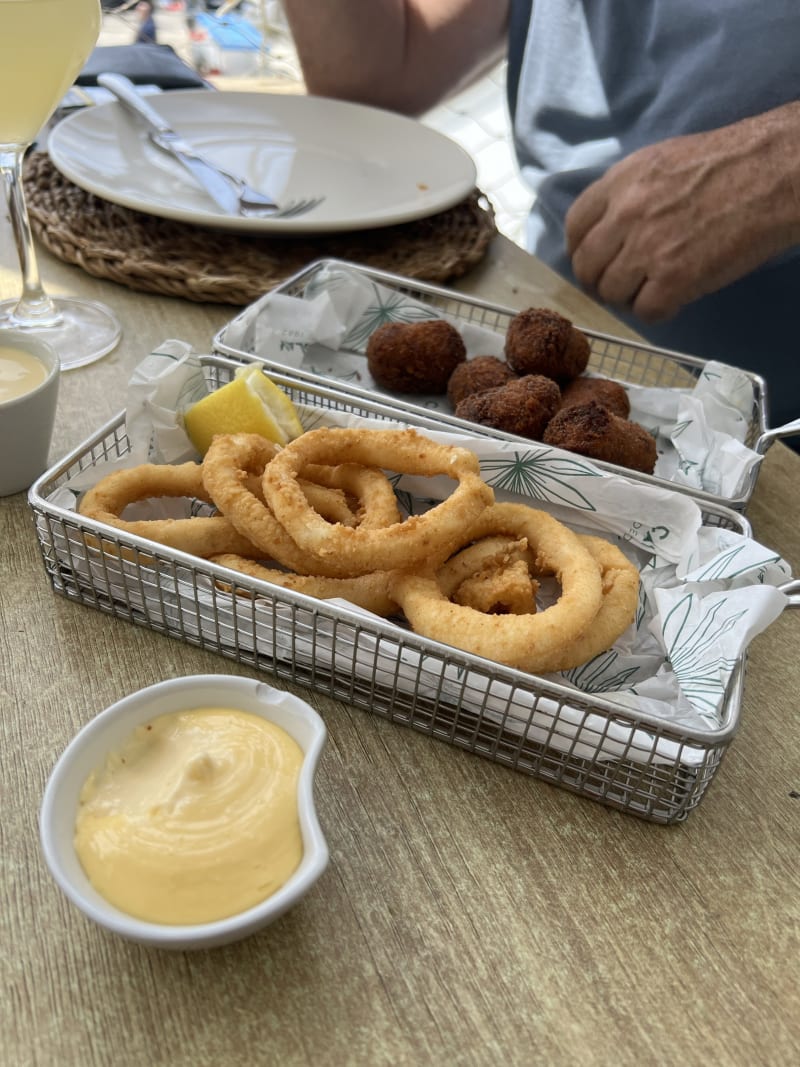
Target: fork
x=250 y=203
x=253 y=204
x=232 y=193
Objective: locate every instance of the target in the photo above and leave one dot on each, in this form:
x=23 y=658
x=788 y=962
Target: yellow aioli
x=20 y=373
x=195 y=818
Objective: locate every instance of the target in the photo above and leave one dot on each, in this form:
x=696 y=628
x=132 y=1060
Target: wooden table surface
x=469 y=914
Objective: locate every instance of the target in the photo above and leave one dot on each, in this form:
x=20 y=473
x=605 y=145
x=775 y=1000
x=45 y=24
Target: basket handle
x=789 y=429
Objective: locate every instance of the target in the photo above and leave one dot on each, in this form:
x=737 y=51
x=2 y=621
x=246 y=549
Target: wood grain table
x=470 y=914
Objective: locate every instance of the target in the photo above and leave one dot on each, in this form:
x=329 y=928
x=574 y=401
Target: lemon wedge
x=250 y=403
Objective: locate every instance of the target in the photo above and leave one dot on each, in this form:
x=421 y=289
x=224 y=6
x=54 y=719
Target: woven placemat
x=158 y=255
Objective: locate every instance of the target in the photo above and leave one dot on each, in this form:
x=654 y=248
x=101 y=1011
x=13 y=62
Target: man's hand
x=687 y=216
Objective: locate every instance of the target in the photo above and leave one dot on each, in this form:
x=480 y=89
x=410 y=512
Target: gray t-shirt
x=590 y=81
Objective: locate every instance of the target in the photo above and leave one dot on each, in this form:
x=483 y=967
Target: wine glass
x=43 y=46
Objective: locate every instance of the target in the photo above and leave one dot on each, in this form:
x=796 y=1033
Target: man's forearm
x=400 y=54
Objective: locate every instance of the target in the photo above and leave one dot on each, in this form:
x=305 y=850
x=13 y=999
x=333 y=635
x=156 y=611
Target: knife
x=168 y=140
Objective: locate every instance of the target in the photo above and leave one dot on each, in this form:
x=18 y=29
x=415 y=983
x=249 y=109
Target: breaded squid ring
x=620 y=580
x=491 y=576
x=509 y=590
x=225 y=466
x=527 y=642
x=328 y=500
x=200 y=536
x=376 y=503
x=332 y=504
x=619 y=577
x=430 y=537
x=368 y=591
x=498 y=584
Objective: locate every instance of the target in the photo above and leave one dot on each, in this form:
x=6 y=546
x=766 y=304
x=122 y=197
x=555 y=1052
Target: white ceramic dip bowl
x=109 y=730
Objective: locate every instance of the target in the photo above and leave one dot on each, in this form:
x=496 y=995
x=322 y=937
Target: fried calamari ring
x=372 y=492
x=509 y=590
x=492 y=566
x=620 y=580
x=337 y=504
x=492 y=576
x=200 y=536
x=225 y=468
x=332 y=504
x=368 y=591
x=329 y=501
x=527 y=642
x=430 y=537
x=619 y=577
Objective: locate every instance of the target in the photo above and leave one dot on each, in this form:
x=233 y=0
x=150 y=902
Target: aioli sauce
x=194 y=819
x=20 y=373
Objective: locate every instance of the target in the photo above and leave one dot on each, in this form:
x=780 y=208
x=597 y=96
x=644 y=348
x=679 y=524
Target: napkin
x=144 y=64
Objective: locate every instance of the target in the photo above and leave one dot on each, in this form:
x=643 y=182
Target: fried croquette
x=415 y=357
x=476 y=376
x=606 y=392
x=594 y=431
x=540 y=341
x=523 y=406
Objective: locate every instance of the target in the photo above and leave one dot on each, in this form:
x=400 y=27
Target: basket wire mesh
x=574 y=740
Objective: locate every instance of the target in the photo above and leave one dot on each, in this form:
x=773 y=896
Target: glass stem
x=35 y=308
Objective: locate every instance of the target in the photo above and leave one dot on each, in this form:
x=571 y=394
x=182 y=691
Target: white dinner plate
x=374 y=168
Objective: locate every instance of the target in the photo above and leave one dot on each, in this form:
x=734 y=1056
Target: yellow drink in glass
x=43 y=46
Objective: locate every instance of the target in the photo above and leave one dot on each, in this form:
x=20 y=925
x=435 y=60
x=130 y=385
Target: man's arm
x=404 y=55
x=687 y=216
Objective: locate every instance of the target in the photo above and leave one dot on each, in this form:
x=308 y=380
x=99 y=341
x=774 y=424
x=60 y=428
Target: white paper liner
x=705 y=591
x=700 y=433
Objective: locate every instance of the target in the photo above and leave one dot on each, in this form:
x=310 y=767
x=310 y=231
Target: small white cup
x=26 y=423
x=109 y=730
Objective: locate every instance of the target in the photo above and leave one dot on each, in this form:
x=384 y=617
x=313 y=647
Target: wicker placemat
x=158 y=255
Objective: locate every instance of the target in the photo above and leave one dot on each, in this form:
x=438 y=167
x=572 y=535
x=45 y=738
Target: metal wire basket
x=632 y=363
x=578 y=741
